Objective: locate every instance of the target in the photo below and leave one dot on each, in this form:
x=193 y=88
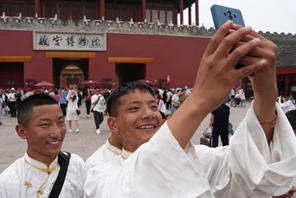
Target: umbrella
x=44 y=84
x=90 y=82
x=149 y=82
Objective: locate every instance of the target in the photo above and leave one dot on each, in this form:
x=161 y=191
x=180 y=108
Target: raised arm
x=264 y=82
x=216 y=76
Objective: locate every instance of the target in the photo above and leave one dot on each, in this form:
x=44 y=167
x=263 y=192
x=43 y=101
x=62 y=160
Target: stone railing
x=108 y=26
x=124 y=27
x=117 y=26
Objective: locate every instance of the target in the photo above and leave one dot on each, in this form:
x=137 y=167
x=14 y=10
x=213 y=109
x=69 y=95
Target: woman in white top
x=72 y=99
x=243 y=98
x=160 y=103
x=289 y=104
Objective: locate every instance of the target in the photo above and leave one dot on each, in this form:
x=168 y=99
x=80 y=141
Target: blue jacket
x=63 y=98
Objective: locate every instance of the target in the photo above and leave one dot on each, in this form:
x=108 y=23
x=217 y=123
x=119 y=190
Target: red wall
x=176 y=56
x=20 y=43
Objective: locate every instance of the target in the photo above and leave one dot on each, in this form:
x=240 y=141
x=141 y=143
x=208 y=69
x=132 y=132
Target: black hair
x=293 y=93
x=73 y=98
x=156 y=91
x=291 y=115
x=113 y=100
x=162 y=115
x=25 y=108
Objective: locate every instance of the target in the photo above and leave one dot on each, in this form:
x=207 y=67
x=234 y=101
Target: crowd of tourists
x=69 y=101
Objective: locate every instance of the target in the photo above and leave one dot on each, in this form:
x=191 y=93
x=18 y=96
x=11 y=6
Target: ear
x=21 y=131
x=111 y=121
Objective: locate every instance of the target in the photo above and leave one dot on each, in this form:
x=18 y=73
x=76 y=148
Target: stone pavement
x=86 y=141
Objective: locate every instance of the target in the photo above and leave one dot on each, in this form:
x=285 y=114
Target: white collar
x=125 y=153
x=112 y=148
x=40 y=165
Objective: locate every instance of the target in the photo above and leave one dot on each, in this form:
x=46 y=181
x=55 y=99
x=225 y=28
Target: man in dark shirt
x=106 y=95
x=219 y=121
x=291 y=115
x=79 y=97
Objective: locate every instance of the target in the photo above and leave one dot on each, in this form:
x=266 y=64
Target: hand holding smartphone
x=221 y=14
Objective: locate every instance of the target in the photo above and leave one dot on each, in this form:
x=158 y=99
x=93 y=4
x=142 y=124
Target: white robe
x=104 y=154
x=15 y=181
x=249 y=167
x=256 y=169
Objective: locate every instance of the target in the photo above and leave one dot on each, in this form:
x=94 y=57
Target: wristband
x=270 y=121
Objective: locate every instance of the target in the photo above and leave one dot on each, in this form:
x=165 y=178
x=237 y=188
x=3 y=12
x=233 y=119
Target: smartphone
x=221 y=14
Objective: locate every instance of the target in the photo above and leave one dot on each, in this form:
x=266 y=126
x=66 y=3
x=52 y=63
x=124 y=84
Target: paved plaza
x=86 y=141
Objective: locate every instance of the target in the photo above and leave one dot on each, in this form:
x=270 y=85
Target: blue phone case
x=221 y=14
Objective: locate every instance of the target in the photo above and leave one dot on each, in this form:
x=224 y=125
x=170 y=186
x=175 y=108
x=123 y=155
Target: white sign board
x=69 y=41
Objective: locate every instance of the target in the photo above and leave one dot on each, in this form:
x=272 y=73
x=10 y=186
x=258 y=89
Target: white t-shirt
x=11 y=97
x=169 y=94
x=175 y=100
x=288 y=105
x=101 y=105
x=72 y=105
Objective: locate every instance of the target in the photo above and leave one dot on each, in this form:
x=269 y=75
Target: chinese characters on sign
x=43 y=41
x=69 y=41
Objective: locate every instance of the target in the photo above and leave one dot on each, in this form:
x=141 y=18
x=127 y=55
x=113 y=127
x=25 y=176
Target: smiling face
x=137 y=119
x=44 y=132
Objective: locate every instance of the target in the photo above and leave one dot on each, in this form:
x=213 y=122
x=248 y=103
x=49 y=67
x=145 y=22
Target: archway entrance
x=129 y=68
x=126 y=72
x=71 y=77
x=69 y=72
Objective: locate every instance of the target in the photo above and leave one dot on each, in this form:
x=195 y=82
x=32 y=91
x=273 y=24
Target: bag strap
x=98 y=100
x=63 y=160
x=293 y=103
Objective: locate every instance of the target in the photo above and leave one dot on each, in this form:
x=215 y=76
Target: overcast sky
x=263 y=15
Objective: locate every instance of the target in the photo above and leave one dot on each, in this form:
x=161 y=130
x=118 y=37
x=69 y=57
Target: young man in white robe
x=42 y=124
x=160 y=161
x=105 y=153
